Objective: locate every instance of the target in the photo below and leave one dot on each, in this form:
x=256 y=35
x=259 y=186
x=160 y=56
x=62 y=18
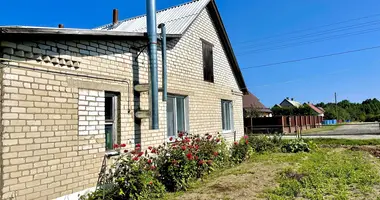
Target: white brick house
x=67 y=95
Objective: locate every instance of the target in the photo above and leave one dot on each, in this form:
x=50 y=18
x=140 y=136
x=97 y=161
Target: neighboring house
x=290 y=103
x=316 y=110
x=253 y=106
x=67 y=95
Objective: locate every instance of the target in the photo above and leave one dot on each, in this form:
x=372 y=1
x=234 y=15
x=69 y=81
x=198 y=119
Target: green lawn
x=328 y=173
x=322 y=129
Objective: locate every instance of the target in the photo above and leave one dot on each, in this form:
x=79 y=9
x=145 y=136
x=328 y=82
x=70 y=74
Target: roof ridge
x=143 y=15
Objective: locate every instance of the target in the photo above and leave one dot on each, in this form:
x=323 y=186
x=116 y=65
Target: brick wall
x=51 y=144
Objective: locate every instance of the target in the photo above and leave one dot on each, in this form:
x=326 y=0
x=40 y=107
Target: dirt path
x=245 y=182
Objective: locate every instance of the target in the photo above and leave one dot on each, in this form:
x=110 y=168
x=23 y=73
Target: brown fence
x=281 y=124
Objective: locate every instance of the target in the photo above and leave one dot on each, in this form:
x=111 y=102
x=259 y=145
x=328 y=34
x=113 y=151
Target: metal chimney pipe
x=164 y=73
x=152 y=36
x=115 y=16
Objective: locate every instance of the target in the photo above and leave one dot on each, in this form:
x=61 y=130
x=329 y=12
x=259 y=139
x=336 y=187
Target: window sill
x=112 y=153
x=227 y=131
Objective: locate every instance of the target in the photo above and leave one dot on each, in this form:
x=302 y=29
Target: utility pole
x=336 y=108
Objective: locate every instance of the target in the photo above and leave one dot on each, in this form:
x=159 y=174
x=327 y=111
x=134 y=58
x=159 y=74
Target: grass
x=332 y=141
x=335 y=174
x=329 y=173
x=322 y=129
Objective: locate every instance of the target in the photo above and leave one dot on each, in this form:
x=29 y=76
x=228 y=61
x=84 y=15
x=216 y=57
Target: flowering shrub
x=133 y=176
x=188 y=157
x=241 y=150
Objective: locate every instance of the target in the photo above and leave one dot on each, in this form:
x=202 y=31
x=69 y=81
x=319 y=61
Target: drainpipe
x=152 y=35
x=164 y=75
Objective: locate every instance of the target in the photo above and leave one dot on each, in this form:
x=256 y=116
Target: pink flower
x=140 y=154
x=201 y=162
x=123 y=145
x=180 y=134
x=115 y=146
x=152 y=167
x=149 y=161
x=138 y=145
x=245 y=136
x=150 y=148
x=183 y=148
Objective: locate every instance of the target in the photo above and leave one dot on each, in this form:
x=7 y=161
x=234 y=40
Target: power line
x=309 y=41
x=370 y=23
x=313 y=28
x=311 y=58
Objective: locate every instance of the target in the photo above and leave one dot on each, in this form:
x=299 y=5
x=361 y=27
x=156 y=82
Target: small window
x=208 y=62
x=111 y=108
x=227 y=119
x=177 y=115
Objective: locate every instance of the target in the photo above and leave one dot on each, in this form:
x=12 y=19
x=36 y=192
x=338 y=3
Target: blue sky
x=353 y=76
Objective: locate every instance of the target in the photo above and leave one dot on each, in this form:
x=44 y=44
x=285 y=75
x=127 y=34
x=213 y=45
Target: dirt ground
x=244 y=182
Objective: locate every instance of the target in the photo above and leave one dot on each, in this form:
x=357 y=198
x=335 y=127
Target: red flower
x=152 y=167
x=209 y=162
x=196 y=147
x=183 y=148
x=123 y=145
x=216 y=153
x=115 y=146
x=133 y=152
x=126 y=151
x=196 y=157
x=149 y=161
x=189 y=156
x=140 y=154
x=245 y=136
x=246 y=142
x=150 y=148
x=197 y=140
x=171 y=138
x=236 y=143
x=209 y=137
x=151 y=183
x=201 y=162
x=154 y=151
x=135 y=158
x=138 y=145
x=217 y=140
x=180 y=134
x=137 y=148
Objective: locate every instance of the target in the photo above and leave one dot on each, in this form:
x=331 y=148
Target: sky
x=261 y=32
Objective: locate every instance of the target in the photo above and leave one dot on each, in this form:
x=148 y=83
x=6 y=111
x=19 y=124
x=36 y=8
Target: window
x=111 y=119
x=177 y=118
x=227 y=119
x=208 y=62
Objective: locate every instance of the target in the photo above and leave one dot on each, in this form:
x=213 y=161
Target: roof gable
x=177 y=20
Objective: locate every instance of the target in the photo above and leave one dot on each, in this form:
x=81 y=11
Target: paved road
x=349 y=131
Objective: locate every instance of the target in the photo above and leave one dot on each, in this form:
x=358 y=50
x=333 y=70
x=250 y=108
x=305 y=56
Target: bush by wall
x=172 y=166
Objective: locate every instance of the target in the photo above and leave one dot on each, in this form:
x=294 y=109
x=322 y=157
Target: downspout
x=163 y=50
x=152 y=36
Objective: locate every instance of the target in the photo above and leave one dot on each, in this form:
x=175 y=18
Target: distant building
x=254 y=108
x=316 y=110
x=290 y=102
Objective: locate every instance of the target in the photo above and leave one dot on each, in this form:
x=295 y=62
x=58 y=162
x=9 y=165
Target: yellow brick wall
x=43 y=153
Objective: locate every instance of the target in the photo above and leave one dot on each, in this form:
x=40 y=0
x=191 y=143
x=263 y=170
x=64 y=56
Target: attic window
x=208 y=62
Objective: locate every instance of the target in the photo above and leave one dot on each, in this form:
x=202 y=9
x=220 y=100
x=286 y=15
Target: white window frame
x=115 y=117
x=186 y=116
x=224 y=118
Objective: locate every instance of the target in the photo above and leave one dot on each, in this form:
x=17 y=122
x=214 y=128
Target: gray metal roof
x=177 y=19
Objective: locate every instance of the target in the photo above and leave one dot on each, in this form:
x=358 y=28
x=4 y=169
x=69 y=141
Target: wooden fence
x=281 y=124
